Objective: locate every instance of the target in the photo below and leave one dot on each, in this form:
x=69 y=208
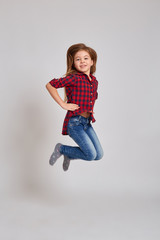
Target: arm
x=54 y=94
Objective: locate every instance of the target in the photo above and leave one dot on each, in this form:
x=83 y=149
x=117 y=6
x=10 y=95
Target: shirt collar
x=80 y=73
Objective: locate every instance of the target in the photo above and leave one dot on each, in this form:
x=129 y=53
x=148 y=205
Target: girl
x=80 y=94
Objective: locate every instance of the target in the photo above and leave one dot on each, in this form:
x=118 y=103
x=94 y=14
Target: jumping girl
x=80 y=94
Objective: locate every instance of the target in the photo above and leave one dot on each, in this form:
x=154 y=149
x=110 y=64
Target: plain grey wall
x=35 y=36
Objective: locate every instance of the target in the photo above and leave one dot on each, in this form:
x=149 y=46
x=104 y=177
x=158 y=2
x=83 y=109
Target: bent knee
x=91 y=155
x=99 y=156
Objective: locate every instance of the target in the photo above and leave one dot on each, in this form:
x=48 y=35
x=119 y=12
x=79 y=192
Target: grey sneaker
x=66 y=163
x=56 y=154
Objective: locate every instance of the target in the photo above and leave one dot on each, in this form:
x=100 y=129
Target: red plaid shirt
x=81 y=91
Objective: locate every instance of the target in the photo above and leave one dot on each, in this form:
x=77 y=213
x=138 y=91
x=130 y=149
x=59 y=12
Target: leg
x=86 y=149
x=93 y=136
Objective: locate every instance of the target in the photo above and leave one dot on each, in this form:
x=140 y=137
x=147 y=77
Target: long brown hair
x=72 y=50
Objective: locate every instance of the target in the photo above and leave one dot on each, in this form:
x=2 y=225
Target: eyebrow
x=84 y=56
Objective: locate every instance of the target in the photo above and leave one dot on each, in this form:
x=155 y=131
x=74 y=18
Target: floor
x=80 y=218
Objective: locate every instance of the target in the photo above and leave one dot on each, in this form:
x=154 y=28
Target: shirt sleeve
x=63 y=82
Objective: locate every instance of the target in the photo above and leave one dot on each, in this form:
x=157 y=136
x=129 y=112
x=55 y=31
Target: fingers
x=76 y=106
x=73 y=107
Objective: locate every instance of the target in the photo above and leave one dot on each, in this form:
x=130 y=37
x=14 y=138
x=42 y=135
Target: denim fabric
x=81 y=131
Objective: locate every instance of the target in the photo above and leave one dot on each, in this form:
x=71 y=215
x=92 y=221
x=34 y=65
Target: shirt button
x=90 y=101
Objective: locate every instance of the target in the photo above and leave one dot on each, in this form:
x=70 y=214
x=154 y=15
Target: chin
x=84 y=70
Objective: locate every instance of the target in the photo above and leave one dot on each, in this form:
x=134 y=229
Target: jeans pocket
x=73 y=121
x=72 y=124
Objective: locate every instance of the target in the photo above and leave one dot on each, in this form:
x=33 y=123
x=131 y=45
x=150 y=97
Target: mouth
x=82 y=66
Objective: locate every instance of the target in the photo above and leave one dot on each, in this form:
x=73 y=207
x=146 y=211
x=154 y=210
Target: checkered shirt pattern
x=80 y=90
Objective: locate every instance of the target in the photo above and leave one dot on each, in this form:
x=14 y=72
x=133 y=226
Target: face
x=83 y=62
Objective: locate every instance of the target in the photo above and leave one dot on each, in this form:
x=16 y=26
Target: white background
x=118 y=196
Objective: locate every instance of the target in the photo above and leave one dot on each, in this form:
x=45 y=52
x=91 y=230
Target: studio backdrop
x=35 y=36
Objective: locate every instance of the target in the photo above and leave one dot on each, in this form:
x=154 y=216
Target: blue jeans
x=81 y=131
